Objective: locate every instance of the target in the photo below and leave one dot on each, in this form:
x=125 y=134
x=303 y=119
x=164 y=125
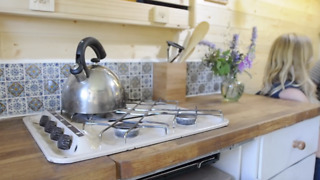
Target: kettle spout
x=78 y=72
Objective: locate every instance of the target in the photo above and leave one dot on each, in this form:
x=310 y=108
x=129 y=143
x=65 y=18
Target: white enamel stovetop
x=86 y=143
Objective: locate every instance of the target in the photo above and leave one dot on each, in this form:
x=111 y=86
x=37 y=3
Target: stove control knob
x=43 y=120
x=64 y=142
x=56 y=133
x=49 y=126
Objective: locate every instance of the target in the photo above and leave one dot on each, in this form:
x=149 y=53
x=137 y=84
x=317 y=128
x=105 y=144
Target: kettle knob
x=95 y=60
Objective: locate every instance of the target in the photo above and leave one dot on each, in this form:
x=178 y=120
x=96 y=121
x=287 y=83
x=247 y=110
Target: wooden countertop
x=252 y=116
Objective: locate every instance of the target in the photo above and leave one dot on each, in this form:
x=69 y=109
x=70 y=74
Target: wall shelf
x=111 y=11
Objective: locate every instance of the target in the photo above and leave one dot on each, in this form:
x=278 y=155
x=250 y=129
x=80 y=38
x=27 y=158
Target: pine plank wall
x=34 y=38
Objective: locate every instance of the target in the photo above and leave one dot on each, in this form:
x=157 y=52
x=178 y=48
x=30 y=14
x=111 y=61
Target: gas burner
x=124 y=130
x=82 y=118
x=129 y=129
x=186 y=119
x=65 y=138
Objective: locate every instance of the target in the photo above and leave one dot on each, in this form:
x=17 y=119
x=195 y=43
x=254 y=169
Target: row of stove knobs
x=56 y=133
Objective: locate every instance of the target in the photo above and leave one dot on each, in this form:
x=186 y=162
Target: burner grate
x=134 y=116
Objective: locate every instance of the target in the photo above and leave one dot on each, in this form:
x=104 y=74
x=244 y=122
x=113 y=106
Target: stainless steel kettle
x=91 y=89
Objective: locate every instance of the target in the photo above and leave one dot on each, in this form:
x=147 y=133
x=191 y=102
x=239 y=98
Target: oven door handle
x=204 y=161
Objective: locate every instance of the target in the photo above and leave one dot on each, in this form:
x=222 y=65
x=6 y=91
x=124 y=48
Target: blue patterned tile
x=217 y=87
x=51 y=103
x=147 y=68
x=209 y=88
x=51 y=70
x=65 y=70
x=123 y=69
x=146 y=94
x=14 y=72
x=2 y=78
x=209 y=76
x=51 y=87
x=201 y=89
x=191 y=89
x=34 y=88
x=112 y=66
x=135 y=94
x=3 y=108
x=191 y=67
x=194 y=77
x=135 y=68
x=62 y=83
x=202 y=77
x=35 y=104
x=33 y=71
x=17 y=106
x=125 y=81
x=135 y=82
x=3 y=90
x=146 y=81
x=16 y=89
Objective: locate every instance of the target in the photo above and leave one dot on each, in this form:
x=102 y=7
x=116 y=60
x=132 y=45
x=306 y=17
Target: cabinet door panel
x=302 y=170
x=277 y=151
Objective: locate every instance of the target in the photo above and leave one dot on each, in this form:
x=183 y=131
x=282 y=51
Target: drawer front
x=276 y=149
x=302 y=170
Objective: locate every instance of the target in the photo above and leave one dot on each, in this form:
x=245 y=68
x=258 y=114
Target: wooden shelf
x=111 y=11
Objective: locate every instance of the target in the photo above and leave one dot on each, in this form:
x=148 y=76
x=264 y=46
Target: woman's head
x=288 y=60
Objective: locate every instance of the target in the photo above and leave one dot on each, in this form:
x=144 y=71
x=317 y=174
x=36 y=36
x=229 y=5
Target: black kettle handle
x=80 y=54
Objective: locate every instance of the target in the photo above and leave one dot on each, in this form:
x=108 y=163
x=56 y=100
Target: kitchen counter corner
x=21 y=158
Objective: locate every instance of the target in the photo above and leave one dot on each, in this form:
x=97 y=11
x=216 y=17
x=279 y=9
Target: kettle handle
x=80 y=54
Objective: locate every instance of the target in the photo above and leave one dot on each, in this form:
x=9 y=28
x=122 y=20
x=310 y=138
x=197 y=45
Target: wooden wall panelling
x=29 y=37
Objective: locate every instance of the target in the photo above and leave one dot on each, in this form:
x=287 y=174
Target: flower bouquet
x=229 y=63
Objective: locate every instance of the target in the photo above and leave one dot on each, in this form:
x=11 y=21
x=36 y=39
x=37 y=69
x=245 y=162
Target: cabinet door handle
x=299 y=144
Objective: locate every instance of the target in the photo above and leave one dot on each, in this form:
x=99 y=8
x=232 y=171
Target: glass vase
x=231 y=88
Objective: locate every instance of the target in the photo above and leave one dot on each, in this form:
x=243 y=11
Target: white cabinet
x=287 y=153
x=284 y=154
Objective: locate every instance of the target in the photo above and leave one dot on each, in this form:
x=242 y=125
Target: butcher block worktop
x=252 y=116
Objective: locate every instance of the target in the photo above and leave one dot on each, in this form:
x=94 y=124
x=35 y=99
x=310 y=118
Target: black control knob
x=49 y=126
x=56 y=133
x=43 y=120
x=64 y=142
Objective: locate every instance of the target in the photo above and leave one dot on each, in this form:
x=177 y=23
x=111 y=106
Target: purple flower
x=234 y=42
x=254 y=35
x=207 y=43
x=246 y=63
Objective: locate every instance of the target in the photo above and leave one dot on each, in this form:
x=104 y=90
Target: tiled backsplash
x=200 y=80
x=32 y=87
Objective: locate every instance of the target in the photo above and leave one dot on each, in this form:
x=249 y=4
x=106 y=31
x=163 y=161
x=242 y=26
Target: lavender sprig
x=247 y=61
x=234 y=42
x=254 y=35
x=207 y=43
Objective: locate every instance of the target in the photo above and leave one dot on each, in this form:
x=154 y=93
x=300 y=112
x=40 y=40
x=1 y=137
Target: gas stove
x=68 y=138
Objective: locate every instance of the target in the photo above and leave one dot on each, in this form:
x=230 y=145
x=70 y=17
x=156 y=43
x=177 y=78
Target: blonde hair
x=289 y=61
